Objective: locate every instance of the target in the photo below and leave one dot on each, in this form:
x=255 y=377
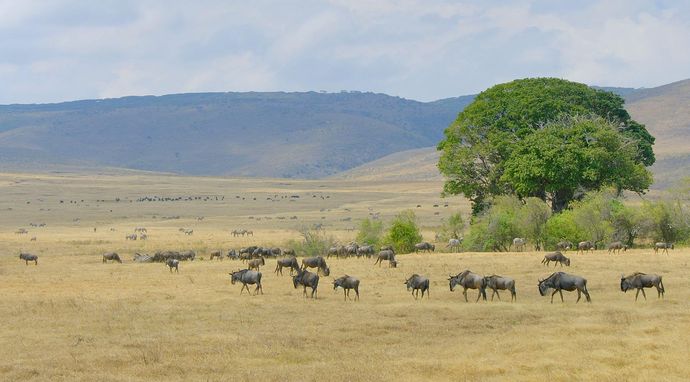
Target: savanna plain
x=73 y=318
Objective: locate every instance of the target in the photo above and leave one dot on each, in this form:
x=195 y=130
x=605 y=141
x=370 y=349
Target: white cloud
x=420 y=49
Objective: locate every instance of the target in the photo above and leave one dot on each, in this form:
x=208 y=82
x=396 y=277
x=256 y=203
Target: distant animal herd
x=255 y=257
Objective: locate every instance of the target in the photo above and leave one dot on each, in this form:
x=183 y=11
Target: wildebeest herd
x=255 y=257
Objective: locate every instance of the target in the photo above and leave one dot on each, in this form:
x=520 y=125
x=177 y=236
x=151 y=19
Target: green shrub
x=370 y=232
x=403 y=233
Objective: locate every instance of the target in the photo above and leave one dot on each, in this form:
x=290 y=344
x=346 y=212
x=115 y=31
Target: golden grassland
x=72 y=318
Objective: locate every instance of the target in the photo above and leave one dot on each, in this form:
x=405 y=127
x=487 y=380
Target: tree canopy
x=533 y=117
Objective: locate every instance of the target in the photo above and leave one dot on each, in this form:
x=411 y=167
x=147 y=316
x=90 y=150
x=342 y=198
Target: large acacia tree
x=487 y=133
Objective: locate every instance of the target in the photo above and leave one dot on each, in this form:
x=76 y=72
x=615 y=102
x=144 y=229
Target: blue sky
x=425 y=50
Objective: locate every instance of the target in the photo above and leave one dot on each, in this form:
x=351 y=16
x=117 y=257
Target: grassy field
x=72 y=318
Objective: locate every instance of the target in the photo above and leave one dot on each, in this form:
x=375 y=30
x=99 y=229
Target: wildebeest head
x=543 y=287
x=326 y=271
x=297 y=278
x=409 y=283
x=625 y=283
x=234 y=276
x=567 y=262
x=452 y=282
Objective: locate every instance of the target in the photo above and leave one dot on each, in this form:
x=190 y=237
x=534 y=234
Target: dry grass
x=72 y=318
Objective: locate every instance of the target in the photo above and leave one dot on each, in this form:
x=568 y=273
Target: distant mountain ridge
x=303 y=135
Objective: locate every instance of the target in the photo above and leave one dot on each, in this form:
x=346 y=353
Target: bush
x=452 y=228
x=403 y=233
x=495 y=229
x=314 y=242
x=563 y=227
x=667 y=221
x=370 y=232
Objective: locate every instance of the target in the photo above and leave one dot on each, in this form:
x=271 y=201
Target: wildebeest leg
x=313 y=292
x=637 y=293
x=304 y=291
x=464 y=293
x=357 y=293
x=643 y=293
x=561 y=292
x=554 y=292
x=497 y=294
x=513 y=295
x=479 y=295
x=578 y=296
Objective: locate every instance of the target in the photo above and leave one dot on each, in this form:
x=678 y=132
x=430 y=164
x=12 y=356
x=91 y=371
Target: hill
x=291 y=135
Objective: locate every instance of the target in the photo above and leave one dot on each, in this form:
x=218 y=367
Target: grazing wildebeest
x=468 y=280
x=347 y=282
x=232 y=254
x=454 y=244
x=556 y=257
x=385 y=255
x=316 y=262
x=564 y=245
x=188 y=255
x=306 y=279
x=256 y=263
x=663 y=246
x=216 y=254
x=617 y=246
x=365 y=250
x=246 y=276
x=640 y=281
x=143 y=236
x=173 y=263
x=495 y=283
x=417 y=283
x=424 y=246
x=131 y=236
x=289 y=252
x=392 y=263
x=519 y=243
x=289 y=262
x=561 y=281
x=111 y=256
x=351 y=249
x=584 y=246
x=28 y=257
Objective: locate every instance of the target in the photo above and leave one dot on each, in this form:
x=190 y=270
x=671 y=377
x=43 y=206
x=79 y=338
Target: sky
x=61 y=50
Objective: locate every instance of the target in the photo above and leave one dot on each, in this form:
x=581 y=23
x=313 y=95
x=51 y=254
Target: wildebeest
x=556 y=257
x=468 y=280
x=424 y=246
x=385 y=255
x=663 y=246
x=131 y=236
x=28 y=257
x=365 y=250
x=256 y=263
x=640 y=281
x=216 y=254
x=392 y=263
x=173 y=263
x=351 y=249
x=112 y=256
x=306 y=279
x=617 y=246
x=246 y=276
x=289 y=262
x=564 y=245
x=560 y=281
x=139 y=258
x=584 y=246
x=316 y=262
x=289 y=252
x=336 y=251
x=417 y=283
x=232 y=254
x=495 y=283
x=188 y=255
x=519 y=243
x=454 y=244
x=347 y=282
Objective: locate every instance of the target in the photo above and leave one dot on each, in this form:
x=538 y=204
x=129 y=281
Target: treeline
x=601 y=217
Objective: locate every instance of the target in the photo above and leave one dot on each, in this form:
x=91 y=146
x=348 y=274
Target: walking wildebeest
x=468 y=280
x=246 y=276
x=584 y=246
x=385 y=255
x=417 y=283
x=495 y=283
x=173 y=263
x=454 y=244
x=556 y=257
x=28 y=257
x=664 y=246
x=316 y=262
x=640 y=281
x=256 y=263
x=564 y=245
x=347 y=282
x=289 y=262
x=519 y=243
x=365 y=250
x=216 y=254
x=306 y=279
x=617 y=246
x=424 y=246
x=111 y=256
x=560 y=281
